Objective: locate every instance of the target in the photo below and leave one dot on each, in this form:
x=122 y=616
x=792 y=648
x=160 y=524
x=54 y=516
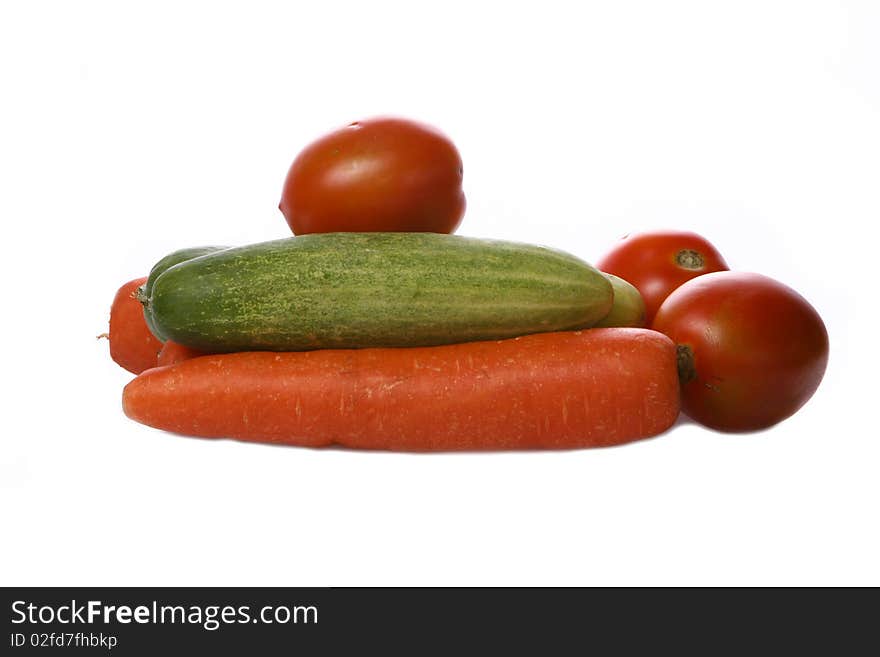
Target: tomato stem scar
x=689 y=259
x=687 y=370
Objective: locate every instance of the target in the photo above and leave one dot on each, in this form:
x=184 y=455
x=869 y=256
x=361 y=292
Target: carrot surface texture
x=576 y=389
x=173 y=353
x=132 y=345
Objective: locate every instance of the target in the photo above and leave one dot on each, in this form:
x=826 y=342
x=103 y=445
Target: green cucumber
x=350 y=290
x=173 y=258
x=629 y=307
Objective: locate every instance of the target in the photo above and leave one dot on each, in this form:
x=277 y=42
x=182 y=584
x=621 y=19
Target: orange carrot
x=551 y=390
x=173 y=353
x=131 y=344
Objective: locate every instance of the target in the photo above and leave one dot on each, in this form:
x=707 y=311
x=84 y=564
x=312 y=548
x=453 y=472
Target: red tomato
x=751 y=350
x=658 y=262
x=383 y=174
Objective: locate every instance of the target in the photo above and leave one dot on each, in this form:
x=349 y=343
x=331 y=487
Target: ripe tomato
x=751 y=350
x=382 y=174
x=658 y=262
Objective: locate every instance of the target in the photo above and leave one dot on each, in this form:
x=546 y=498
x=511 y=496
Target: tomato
x=658 y=262
x=382 y=174
x=752 y=351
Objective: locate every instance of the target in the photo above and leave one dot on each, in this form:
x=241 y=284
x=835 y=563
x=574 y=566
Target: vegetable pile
x=375 y=327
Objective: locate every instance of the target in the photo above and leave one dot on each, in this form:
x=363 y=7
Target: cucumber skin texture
x=353 y=290
x=173 y=258
x=628 y=309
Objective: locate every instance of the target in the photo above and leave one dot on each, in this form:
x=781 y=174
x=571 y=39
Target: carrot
x=550 y=390
x=131 y=344
x=173 y=353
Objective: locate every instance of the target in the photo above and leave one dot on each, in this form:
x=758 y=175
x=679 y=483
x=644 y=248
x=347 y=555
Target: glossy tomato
x=657 y=262
x=751 y=350
x=382 y=174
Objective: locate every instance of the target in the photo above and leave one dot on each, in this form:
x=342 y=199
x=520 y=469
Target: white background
x=128 y=130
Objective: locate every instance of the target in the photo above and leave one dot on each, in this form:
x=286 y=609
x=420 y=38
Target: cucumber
x=173 y=258
x=628 y=309
x=351 y=290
